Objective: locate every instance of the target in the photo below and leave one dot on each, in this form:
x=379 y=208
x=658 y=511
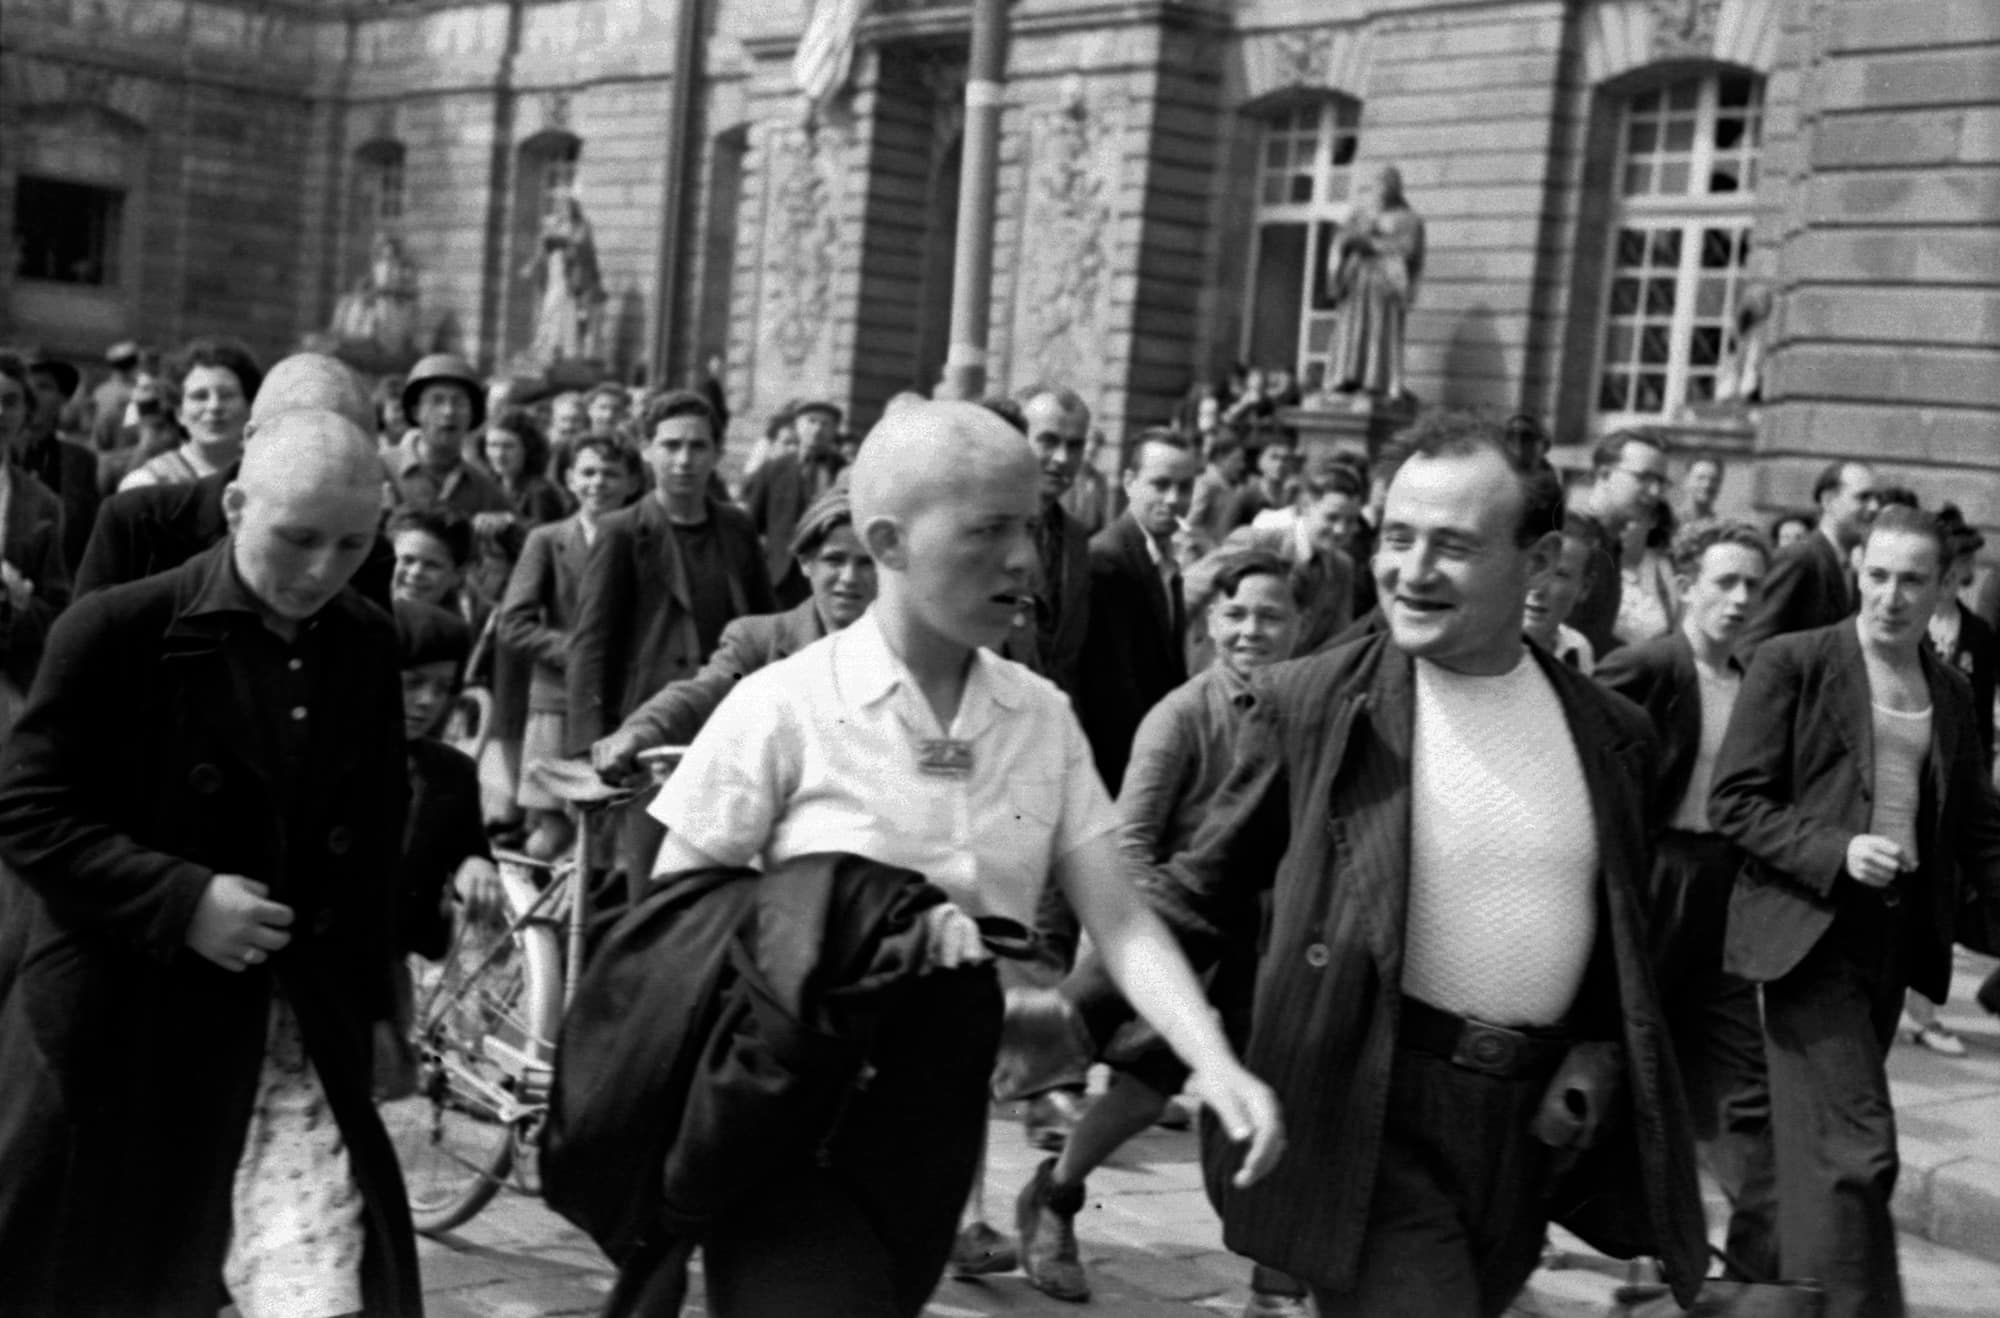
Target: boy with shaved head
x=201 y=815
x=903 y=739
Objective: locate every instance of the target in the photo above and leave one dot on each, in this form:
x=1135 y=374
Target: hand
x=477 y=885
x=951 y=939
x=19 y=588
x=1248 y=1110
x=235 y=926
x=1873 y=860
x=1043 y=1044
x=616 y=757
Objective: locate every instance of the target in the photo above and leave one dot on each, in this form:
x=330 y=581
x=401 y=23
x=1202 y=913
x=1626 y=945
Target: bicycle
x=485 y=1018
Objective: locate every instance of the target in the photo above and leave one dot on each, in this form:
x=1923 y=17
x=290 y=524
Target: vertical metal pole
x=979 y=164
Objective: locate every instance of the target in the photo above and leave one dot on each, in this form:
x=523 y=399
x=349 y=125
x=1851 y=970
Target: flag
x=826 y=49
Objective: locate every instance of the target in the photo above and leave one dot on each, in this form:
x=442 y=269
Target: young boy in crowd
x=1555 y=593
x=902 y=739
x=1181 y=756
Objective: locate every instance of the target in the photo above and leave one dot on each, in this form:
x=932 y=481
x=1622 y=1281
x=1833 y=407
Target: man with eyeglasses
x=1629 y=477
x=1810 y=584
x=664 y=578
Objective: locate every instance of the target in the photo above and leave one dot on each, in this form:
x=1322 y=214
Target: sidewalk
x=1153 y=1247
x=1948 y=1127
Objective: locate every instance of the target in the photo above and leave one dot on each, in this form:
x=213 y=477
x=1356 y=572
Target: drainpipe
x=972 y=272
x=678 y=190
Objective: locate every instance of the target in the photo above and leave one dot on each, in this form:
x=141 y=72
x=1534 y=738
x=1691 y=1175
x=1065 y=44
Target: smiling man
x=664 y=578
x=1452 y=829
x=1688 y=682
x=1852 y=776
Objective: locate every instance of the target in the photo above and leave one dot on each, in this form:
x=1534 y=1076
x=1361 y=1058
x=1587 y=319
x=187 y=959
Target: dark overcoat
x=141 y=768
x=1317 y=811
x=1132 y=650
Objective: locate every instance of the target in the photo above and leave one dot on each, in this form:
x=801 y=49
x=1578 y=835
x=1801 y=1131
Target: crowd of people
x=1532 y=846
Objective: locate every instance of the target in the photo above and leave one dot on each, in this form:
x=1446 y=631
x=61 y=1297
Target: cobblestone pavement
x=1149 y=1239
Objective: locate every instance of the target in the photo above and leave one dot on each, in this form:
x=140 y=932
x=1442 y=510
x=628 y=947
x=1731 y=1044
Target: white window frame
x=1691 y=213
x=1330 y=205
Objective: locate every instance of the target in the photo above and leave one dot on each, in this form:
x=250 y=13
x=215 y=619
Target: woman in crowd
x=34 y=580
x=218 y=379
x=391 y=422
x=515 y=450
x=1181 y=756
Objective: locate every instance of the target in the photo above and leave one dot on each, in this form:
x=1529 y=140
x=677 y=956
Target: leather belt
x=1495 y=1050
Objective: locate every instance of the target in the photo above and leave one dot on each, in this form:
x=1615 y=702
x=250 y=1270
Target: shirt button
x=298 y=713
x=296 y=665
x=1318 y=957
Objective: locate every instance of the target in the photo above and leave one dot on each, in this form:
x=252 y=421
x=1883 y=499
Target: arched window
x=378 y=183
x=1305 y=174
x=1686 y=185
x=544 y=178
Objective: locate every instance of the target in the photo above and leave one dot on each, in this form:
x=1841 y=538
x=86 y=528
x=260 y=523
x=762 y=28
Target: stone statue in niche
x=380 y=311
x=569 y=319
x=1372 y=276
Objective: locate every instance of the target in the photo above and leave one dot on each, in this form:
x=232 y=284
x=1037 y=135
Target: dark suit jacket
x=156 y=527
x=540 y=604
x=1316 y=811
x=1061 y=659
x=634 y=629
x=1659 y=676
x=1807 y=587
x=1793 y=786
x=1132 y=654
x=70 y=472
x=775 y=496
x=1595 y=612
x=1977 y=655
x=674 y=713
x=139 y=769
x=35 y=547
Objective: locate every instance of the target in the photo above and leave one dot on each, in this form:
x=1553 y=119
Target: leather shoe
x=980 y=1251
x=1261 y=1305
x=1045 y=1217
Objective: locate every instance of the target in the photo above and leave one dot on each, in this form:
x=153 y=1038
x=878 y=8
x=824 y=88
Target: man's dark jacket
x=1659 y=677
x=1132 y=653
x=634 y=630
x=674 y=713
x=1807 y=587
x=70 y=472
x=715 y=1043
x=1317 y=812
x=157 y=527
x=1060 y=657
x=137 y=772
x=1794 y=783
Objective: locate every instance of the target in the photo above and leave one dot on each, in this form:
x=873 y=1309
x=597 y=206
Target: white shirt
x=819 y=752
x=1902 y=747
x=1503 y=849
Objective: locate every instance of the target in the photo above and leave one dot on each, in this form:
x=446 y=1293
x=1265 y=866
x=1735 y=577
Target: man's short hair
x=604 y=446
x=1610 y=451
x=1332 y=476
x=608 y=389
x=1452 y=434
x=1235 y=566
x=1069 y=400
x=1007 y=410
x=1964 y=539
x=1693 y=541
x=445 y=525
x=1903 y=519
x=1166 y=436
x=679 y=402
x=1898 y=496
x=1223 y=443
x=1831 y=476
x=1713 y=461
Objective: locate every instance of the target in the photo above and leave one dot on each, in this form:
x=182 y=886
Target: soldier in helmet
x=447 y=400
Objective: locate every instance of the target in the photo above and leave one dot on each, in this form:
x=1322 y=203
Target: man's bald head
x=310 y=382
x=302 y=511
x=924 y=453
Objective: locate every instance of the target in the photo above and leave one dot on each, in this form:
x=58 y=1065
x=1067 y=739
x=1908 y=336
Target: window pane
x=1684 y=95
x=1653 y=346
x=66 y=232
x=1344 y=148
x=1722 y=178
x=1652 y=393
x=1667 y=249
x=1638 y=180
x=1728 y=133
x=1613 y=392
x=1711 y=297
x=1733 y=89
x=1680 y=134
x=1673 y=179
x=1302 y=188
x=1618 y=342
x=1659 y=297
x=1701 y=387
x=1624 y=297
x=1644 y=136
x=1718 y=248
x=1631 y=247
x=1278 y=293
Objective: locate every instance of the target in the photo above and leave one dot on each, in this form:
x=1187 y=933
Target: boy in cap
x=786 y=484
x=903 y=739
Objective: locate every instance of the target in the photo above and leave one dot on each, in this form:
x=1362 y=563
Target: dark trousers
x=1457 y=1220
x=1828 y=1025
x=1718 y=1037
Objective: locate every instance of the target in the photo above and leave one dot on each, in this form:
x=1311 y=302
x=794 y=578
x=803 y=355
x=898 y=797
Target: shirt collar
x=222 y=588
x=866 y=669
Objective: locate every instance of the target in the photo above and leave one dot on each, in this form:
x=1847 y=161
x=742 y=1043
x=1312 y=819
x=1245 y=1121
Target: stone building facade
x=1625 y=199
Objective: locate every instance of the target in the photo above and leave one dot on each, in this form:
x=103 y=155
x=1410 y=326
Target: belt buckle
x=1488 y=1049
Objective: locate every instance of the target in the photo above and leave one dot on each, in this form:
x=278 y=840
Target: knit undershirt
x=1503 y=849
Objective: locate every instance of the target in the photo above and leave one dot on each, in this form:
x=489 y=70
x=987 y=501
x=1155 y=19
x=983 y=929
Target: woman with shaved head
x=201 y=813
x=904 y=739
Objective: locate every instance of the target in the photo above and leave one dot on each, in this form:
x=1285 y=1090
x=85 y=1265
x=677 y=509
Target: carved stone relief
x=1683 y=27
x=1063 y=294
x=1305 y=58
x=807 y=164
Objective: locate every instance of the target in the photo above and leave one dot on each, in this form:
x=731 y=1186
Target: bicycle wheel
x=483 y=1029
